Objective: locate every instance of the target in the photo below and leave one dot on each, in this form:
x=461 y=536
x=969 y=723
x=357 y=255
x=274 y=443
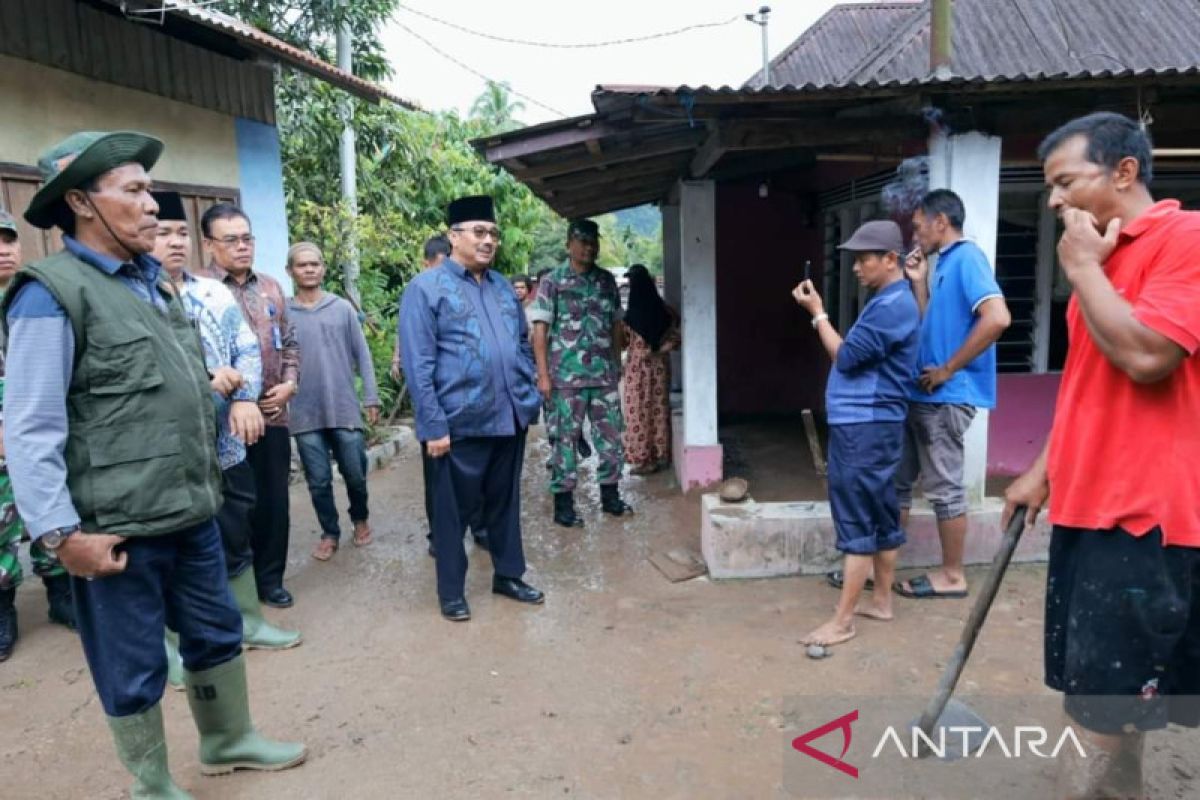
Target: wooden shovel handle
x=983 y=604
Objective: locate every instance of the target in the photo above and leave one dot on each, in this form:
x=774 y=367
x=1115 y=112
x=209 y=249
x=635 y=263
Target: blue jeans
x=349 y=449
x=177 y=579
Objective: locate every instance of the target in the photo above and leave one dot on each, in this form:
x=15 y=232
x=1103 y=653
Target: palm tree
x=496 y=108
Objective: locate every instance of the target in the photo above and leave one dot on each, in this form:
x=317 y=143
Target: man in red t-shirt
x=1122 y=630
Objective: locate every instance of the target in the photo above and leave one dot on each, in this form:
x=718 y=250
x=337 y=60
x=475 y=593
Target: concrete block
x=761 y=540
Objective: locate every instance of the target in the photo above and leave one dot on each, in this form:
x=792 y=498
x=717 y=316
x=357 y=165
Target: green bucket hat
x=78 y=159
x=7 y=223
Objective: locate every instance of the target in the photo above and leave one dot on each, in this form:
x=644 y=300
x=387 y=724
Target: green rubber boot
x=257 y=633
x=228 y=740
x=142 y=748
x=174 y=662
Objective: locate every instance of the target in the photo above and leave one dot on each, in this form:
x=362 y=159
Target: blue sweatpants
x=177 y=579
x=863 y=458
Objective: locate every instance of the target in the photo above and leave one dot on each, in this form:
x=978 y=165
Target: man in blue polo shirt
x=964 y=314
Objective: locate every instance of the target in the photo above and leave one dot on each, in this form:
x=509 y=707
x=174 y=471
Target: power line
x=569 y=45
x=476 y=72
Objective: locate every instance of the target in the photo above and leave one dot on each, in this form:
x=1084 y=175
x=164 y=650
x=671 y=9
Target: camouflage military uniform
x=581 y=311
x=12 y=529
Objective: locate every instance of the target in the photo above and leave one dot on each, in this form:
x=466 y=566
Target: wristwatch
x=52 y=540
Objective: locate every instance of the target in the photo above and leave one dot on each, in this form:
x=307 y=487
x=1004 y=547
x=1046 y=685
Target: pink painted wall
x=1020 y=423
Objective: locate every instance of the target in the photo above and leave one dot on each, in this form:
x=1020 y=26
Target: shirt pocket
x=121 y=360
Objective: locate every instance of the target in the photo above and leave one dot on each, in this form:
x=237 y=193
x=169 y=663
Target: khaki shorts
x=933 y=452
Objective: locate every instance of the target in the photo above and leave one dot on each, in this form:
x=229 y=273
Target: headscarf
x=647 y=314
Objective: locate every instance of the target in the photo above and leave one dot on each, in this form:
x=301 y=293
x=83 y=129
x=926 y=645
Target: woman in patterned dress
x=652 y=329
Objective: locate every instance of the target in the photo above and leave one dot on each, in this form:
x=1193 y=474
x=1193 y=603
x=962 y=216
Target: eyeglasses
x=480 y=232
x=232 y=241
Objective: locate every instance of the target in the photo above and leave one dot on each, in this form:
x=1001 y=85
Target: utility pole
x=761 y=21
x=349 y=164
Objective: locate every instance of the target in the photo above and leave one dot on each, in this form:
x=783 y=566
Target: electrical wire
x=476 y=72
x=569 y=45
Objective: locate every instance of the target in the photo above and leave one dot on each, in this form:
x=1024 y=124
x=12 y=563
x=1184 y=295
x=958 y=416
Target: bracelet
x=817 y=319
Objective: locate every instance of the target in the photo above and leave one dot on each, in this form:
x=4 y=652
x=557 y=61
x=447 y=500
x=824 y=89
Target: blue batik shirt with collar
x=466 y=354
x=227 y=341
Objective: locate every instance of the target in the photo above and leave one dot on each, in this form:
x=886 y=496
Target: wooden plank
x=549 y=141
x=709 y=154
x=636 y=152
x=814 y=443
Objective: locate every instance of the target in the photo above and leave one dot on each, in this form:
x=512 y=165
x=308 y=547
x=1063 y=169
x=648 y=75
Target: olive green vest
x=141 y=426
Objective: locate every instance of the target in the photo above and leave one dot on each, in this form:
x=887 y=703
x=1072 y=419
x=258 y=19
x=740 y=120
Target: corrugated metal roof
x=281 y=51
x=836 y=43
x=1073 y=38
x=995 y=40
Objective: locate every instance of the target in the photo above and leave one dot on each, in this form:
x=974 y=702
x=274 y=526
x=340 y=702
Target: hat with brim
x=82 y=157
x=877 y=236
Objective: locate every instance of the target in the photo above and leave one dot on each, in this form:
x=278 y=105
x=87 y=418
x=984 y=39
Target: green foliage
x=313 y=25
x=496 y=109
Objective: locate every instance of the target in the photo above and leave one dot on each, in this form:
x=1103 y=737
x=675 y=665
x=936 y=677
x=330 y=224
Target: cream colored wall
x=39 y=106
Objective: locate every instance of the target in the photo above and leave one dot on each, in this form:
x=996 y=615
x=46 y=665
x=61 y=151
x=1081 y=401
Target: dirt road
x=622 y=686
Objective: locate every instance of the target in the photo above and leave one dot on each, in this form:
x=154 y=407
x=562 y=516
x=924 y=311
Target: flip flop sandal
x=362 y=540
x=836 y=578
x=922 y=589
x=322 y=552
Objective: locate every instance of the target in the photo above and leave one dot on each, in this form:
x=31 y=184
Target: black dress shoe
x=517 y=589
x=278 y=597
x=481 y=540
x=456 y=610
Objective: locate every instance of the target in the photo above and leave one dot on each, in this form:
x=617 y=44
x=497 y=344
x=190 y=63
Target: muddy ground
x=622 y=686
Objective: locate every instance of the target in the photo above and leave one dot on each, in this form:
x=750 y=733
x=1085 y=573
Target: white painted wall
x=697 y=249
x=672 y=279
x=969 y=165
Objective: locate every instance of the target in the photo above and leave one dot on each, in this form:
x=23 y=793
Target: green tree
x=313 y=25
x=496 y=109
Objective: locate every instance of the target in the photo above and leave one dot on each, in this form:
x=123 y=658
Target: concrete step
x=764 y=540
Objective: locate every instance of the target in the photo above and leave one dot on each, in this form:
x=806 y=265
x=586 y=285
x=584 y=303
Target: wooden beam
x=617 y=179
x=536 y=143
x=634 y=153
x=709 y=153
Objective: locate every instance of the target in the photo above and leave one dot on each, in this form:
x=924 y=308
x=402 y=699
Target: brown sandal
x=362 y=535
x=325 y=549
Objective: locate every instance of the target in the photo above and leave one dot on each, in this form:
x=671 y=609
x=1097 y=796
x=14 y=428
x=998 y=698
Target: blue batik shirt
x=227 y=341
x=466 y=354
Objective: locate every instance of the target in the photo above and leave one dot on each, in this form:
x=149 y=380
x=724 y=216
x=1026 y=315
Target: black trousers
x=474 y=520
x=234 y=518
x=479 y=473
x=271 y=459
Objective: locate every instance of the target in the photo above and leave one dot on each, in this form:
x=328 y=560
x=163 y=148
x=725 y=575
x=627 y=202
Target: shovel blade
x=951 y=745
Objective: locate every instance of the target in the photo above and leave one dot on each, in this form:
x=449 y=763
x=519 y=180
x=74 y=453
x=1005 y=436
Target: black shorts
x=1122 y=632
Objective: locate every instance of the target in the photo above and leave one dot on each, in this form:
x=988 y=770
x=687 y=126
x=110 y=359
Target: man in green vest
x=110 y=433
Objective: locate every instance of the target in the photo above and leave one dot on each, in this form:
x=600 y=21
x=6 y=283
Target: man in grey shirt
x=325 y=413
